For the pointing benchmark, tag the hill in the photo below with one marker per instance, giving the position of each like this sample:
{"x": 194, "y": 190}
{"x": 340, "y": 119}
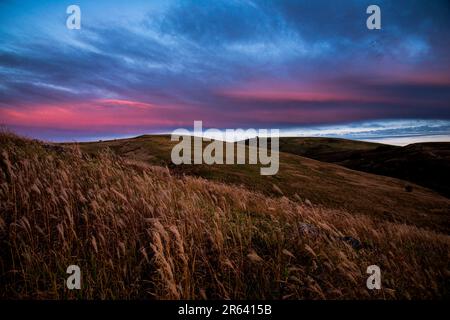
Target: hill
{"x": 139, "y": 232}
{"x": 305, "y": 180}
{"x": 426, "y": 164}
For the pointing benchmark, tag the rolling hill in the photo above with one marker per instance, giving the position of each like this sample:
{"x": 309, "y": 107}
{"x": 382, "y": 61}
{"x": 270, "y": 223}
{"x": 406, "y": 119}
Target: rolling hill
{"x": 141, "y": 231}
{"x": 305, "y": 180}
{"x": 426, "y": 164}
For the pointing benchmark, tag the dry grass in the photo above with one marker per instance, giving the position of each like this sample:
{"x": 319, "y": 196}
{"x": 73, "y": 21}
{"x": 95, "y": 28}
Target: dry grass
{"x": 136, "y": 231}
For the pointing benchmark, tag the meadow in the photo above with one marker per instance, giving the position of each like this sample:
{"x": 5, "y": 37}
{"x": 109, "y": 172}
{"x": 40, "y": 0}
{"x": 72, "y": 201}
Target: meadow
{"x": 139, "y": 231}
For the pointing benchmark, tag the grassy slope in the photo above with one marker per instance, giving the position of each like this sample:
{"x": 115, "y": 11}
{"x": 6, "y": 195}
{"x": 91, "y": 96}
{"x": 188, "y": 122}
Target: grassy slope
{"x": 301, "y": 178}
{"x": 138, "y": 231}
{"x": 326, "y": 149}
{"x": 426, "y": 164}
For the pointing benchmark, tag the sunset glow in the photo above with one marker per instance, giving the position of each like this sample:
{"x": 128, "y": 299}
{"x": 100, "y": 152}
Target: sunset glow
{"x": 158, "y": 65}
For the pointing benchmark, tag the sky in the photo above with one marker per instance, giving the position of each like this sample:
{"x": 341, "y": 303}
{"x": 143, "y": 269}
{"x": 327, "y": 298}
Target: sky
{"x": 304, "y": 67}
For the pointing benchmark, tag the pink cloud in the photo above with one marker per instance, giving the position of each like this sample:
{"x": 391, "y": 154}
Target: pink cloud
{"x": 125, "y": 103}
{"x": 340, "y": 90}
{"x": 88, "y": 115}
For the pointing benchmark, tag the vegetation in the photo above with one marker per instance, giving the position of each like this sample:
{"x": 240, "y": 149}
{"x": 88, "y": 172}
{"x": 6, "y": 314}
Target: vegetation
{"x": 426, "y": 164}
{"x": 300, "y": 178}
{"x": 138, "y": 231}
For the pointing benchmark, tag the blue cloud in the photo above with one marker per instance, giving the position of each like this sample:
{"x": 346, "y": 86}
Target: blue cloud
{"x": 185, "y": 52}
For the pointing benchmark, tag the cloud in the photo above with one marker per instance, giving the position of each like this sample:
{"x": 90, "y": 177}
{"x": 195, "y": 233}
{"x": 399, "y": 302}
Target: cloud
{"x": 399, "y": 132}
{"x": 228, "y": 62}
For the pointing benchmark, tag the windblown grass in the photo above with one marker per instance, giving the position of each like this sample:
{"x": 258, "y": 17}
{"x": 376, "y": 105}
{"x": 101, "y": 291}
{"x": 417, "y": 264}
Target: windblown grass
{"x": 138, "y": 232}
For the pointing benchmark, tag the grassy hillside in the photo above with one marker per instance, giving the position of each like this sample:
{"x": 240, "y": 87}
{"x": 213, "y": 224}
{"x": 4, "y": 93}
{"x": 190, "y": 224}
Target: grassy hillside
{"x": 305, "y": 180}
{"x": 138, "y": 231}
{"x": 426, "y": 164}
{"x": 327, "y": 149}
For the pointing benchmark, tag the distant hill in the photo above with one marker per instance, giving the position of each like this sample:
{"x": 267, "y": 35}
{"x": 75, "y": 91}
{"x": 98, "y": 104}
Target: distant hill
{"x": 426, "y": 164}
{"x": 306, "y": 180}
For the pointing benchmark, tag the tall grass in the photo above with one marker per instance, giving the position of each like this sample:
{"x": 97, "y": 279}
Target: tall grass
{"x": 137, "y": 232}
